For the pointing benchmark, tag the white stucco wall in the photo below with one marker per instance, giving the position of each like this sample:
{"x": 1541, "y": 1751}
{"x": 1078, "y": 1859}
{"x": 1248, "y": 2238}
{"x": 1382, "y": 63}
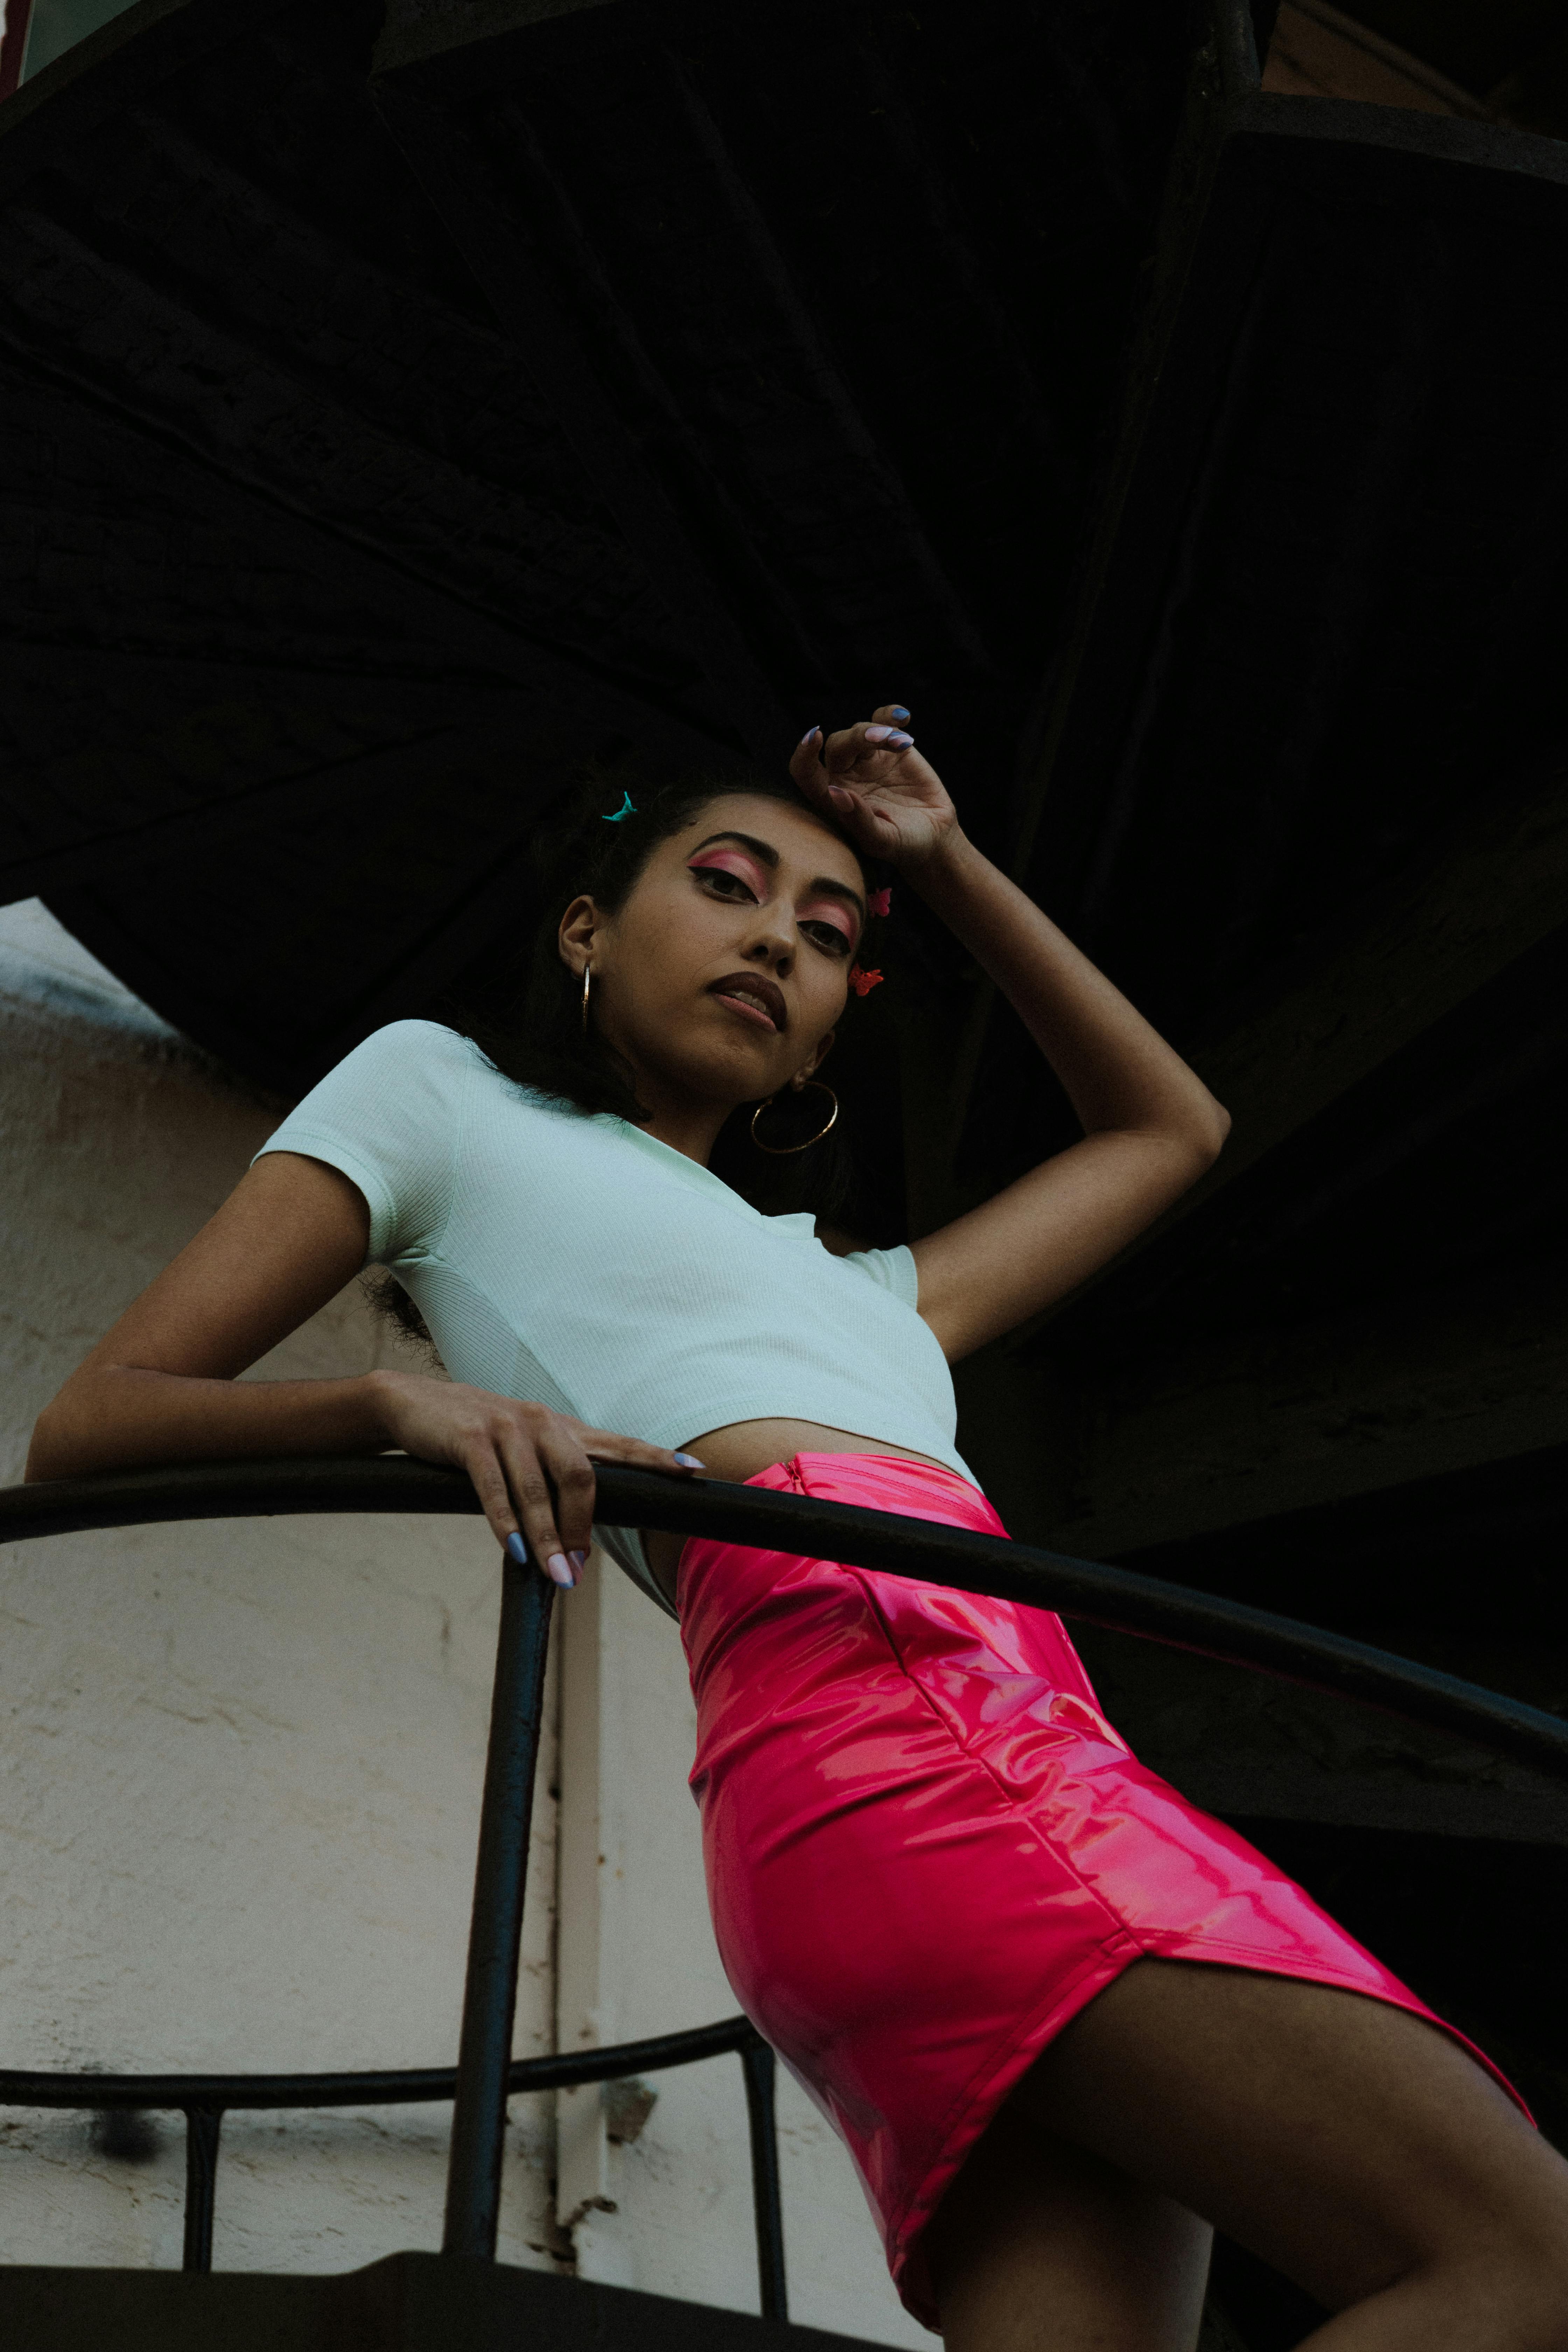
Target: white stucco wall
{"x": 240, "y": 1762}
{"x": 239, "y": 1771}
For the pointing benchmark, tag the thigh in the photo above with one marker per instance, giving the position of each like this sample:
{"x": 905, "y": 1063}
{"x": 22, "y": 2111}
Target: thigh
{"x": 1344, "y": 2140}
{"x": 1039, "y": 2246}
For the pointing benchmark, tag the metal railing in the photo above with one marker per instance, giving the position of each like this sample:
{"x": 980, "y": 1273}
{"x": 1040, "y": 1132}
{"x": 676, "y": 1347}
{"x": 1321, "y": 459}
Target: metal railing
{"x": 486, "y": 2074}
{"x": 205, "y": 2099}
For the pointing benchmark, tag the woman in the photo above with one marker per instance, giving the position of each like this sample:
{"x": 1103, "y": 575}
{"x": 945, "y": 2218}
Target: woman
{"x": 1065, "y": 2022}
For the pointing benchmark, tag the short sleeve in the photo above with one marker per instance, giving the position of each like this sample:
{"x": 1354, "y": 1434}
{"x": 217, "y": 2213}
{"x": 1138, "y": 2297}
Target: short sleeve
{"x": 893, "y": 1270}
{"x": 387, "y": 1117}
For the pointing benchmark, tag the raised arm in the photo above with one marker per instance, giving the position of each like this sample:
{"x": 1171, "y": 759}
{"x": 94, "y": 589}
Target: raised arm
{"x": 1151, "y": 1126}
{"x": 162, "y": 1386}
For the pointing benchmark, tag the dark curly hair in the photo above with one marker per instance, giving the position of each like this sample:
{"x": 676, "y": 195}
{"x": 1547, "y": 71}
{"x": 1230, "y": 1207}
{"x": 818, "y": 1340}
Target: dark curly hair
{"x": 529, "y": 1022}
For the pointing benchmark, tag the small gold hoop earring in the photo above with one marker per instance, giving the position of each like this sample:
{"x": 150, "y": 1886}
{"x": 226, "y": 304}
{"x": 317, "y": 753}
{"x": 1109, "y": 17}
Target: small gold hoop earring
{"x": 783, "y": 1151}
{"x": 587, "y": 976}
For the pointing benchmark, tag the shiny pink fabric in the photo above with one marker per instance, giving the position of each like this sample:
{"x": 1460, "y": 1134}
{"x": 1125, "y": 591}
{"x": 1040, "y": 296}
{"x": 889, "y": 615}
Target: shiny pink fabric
{"x": 927, "y": 1849}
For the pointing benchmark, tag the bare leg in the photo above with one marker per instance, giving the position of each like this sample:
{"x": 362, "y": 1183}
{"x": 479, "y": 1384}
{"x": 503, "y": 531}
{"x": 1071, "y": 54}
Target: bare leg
{"x": 1359, "y": 2151}
{"x": 1042, "y": 2244}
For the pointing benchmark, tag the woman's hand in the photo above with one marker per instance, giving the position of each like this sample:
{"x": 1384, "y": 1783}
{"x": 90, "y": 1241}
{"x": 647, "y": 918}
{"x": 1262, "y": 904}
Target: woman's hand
{"x": 531, "y": 1469}
{"x": 890, "y": 801}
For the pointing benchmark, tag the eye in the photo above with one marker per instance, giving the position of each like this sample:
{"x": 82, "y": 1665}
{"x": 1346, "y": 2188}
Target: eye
{"x": 718, "y": 875}
{"x": 828, "y": 924}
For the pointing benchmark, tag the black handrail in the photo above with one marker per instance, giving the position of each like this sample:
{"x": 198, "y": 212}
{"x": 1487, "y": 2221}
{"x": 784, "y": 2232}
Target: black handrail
{"x": 495, "y": 1934}
{"x": 793, "y": 1525}
{"x": 384, "y": 2086}
{"x": 1115, "y": 1598}
{"x": 205, "y": 2099}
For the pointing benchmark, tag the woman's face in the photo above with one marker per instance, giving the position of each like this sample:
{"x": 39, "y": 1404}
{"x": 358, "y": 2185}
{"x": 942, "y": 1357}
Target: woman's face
{"x": 723, "y": 975}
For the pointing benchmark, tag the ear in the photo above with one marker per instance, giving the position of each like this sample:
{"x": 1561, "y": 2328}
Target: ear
{"x": 575, "y": 939}
{"x": 823, "y": 1048}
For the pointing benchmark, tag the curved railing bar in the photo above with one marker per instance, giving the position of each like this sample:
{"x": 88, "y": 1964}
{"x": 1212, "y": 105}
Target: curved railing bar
{"x": 205, "y": 2099}
{"x": 1117, "y": 1598}
{"x": 383, "y": 2087}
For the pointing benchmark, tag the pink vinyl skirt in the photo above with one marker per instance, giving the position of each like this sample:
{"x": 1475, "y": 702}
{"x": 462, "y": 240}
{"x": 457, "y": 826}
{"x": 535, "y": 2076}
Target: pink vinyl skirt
{"x": 927, "y": 1849}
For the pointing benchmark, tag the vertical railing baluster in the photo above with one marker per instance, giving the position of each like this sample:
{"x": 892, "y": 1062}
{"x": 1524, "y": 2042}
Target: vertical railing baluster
{"x": 202, "y": 2128}
{"x": 758, "y": 2064}
{"x": 495, "y": 1936}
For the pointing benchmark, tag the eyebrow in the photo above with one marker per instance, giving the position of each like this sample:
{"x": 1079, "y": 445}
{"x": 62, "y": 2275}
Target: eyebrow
{"x": 770, "y": 858}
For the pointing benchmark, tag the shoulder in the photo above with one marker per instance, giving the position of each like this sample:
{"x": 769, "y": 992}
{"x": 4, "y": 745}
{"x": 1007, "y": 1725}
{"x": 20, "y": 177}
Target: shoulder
{"x": 408, "y": 1062}
{"x": 388, "y": 1117}
{"x": 429, "y": 1071}
{"x": 417, "y": 1045}
{"x": 409, "y": 1077}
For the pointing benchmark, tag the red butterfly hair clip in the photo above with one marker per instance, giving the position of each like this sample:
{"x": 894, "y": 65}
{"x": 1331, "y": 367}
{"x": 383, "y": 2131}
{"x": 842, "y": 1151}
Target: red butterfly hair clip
{"x": 880, "y": 902}
{"x": 863, "y": 982}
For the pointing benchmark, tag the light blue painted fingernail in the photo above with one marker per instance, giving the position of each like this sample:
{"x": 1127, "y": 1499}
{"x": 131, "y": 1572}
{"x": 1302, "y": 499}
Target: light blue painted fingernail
{"x": 690, "y": 1462}
{"x": 517, "y": 1550}
{"x": 897, "y": 710}
{"x": 807, "y": 736}
{"x": 558, "y": 1569}
{"x": 878, "y": 734}
{"x": 899, "y": 743}
{"x": 579, "y": 1560}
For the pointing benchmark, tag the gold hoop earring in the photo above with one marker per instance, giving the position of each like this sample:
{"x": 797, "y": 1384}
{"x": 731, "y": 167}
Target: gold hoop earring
{"x": 587, "y": 976}
{"x": 783, "y": 1151}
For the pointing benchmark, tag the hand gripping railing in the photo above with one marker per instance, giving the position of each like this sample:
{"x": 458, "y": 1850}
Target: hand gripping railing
{"x": 486, "y": 2074}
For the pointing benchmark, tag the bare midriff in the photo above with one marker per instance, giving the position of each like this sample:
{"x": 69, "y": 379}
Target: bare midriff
{"x": 739, "y": 1451}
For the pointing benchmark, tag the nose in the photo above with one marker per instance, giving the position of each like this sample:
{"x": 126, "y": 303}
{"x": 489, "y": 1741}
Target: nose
{"x": 773, "y": 943}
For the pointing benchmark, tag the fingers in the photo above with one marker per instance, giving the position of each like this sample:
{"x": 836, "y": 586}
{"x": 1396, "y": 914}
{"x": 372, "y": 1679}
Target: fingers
{"x": 818, "y": 757}
{"x": 606, "y": 1446}
{"x": 487, "y": 1475}
{"x": 569, "y": 1476}
{"x": 872, "y": 746}
{"x": 805, "y": 765}
{"x": 550, "y": 1481}
{"x": 833, "y": 772}
{"x": 533, "y": 1474}
{"x": 515, "y": 1456}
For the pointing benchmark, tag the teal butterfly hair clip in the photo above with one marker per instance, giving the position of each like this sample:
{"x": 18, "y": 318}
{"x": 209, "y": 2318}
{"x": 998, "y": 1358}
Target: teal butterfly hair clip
{"x": 627, "y": 808}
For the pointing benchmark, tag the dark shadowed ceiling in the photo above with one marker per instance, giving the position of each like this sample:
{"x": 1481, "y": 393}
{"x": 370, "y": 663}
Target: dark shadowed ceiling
{"x": 650, "y": 380}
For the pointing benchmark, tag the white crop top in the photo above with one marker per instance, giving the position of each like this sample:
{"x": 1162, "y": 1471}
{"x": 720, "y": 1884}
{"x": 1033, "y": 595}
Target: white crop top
{"x": 569, "y": 1259}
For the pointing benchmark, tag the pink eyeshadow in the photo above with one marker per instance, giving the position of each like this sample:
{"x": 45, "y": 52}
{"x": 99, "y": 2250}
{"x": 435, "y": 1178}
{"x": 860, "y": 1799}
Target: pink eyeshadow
{"x": 834, "y": 911}
{"x": 732, "y": 861}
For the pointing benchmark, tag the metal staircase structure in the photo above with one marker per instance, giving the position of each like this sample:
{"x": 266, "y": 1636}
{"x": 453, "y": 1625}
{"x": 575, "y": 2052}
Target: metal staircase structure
{"x": 460, "y": 2297}
{"x": 398, "y": 403}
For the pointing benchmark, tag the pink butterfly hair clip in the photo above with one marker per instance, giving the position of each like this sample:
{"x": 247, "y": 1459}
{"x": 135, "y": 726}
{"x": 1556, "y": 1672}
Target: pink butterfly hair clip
{"x": 880, "y": 902}
{"x": 863, "y": 982}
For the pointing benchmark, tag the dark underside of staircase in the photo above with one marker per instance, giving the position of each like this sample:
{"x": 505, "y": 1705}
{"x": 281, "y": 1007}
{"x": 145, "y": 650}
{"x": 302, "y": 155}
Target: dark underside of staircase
{"x": 410, "y": 2303}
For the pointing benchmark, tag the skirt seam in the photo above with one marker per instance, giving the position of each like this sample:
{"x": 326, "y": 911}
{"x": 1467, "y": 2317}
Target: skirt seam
{"x": 1018, "y": 1812}
{"x": 1121, "y": 1933}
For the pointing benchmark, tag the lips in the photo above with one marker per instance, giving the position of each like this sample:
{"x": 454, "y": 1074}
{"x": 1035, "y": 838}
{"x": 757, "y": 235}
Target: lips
{"x": 752, "y": 997}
